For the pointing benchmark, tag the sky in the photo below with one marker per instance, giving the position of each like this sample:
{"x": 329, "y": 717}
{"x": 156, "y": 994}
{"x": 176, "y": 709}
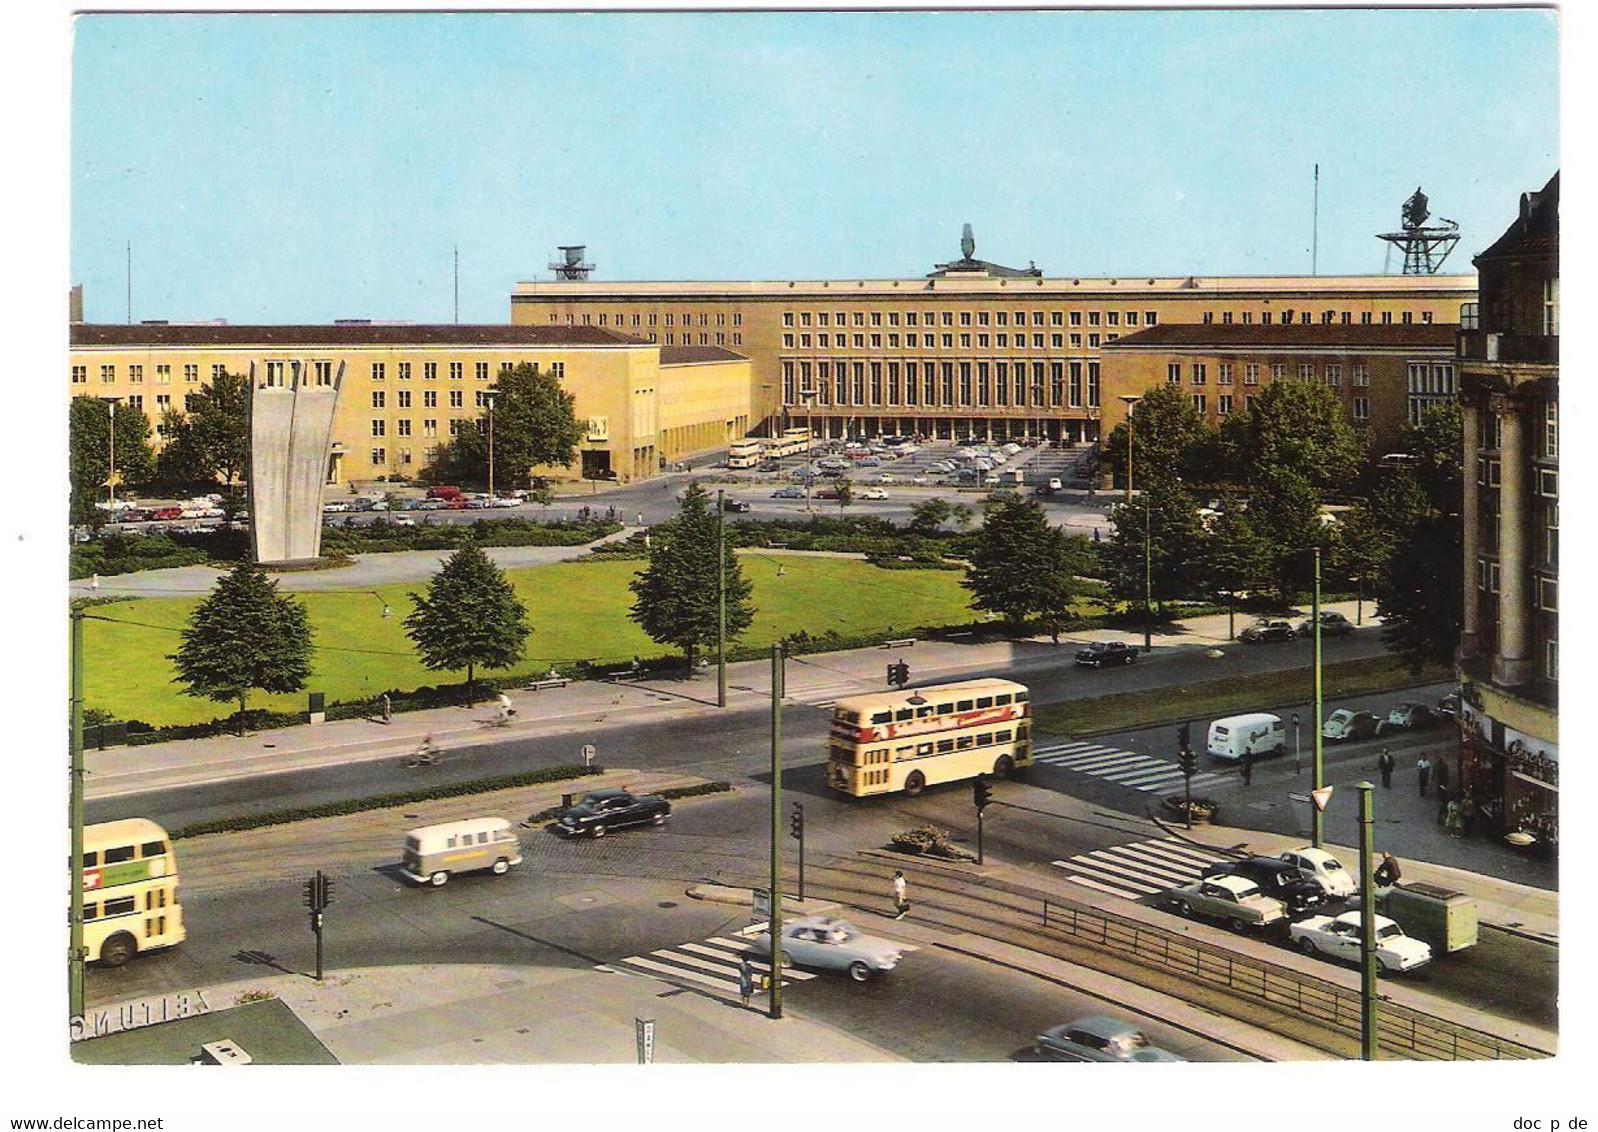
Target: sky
{"x": 303, "y": 167}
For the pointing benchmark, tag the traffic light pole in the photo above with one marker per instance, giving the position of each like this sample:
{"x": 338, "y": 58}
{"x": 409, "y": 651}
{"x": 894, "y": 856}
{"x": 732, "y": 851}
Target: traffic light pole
{"x": 75, "y": 958}
{"x": 721, "y": 598}
{"x": 1319, "y": 770}
{"x": 1367, "y": 926}
{"x": 775, "y": 920}
{"x": 799, "y": 835}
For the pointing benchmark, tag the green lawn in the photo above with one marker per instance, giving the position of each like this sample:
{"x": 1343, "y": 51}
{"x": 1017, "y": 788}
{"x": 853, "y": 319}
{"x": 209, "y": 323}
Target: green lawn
{"x": 578, "y": 611}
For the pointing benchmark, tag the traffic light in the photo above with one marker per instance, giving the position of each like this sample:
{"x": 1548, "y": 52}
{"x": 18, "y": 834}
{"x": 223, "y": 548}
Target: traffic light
{"x": 1188, "y": 761}
{"x": 318, "y": 891}
{"x": 899, "y": 674}
{"x": 981, "y": 791}
{"x": 796, "y": 823}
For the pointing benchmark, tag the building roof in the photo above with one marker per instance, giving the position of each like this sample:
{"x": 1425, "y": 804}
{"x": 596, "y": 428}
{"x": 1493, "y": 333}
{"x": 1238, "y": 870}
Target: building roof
{"x": 1233, "y": 336}
{"x": 1535, "y": 231}
{"x": 344, "y": 334}
{"x": 697, "y": 355}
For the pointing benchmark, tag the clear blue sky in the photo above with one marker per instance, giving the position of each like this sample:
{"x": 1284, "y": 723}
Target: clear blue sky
{"x": 302, "y": 167}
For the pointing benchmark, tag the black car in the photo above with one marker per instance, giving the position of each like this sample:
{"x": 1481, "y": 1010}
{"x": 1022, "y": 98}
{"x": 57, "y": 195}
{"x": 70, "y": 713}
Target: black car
{"x": 1333, "y": 624}
{"x": 731, "y": 504}
{"x": 1100, "y": 653}
{"x": 601, "y": 811}
{"x": 1267, "y": 631}
{"x": 1277, "y": 878}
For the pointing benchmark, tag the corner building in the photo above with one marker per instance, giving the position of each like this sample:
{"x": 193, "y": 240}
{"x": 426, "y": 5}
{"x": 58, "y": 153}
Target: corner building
{"x": 1509, "y": 638}
{"x": 973, "y": 350}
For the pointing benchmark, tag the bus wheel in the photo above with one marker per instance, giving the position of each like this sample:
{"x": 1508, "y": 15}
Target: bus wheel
{"x": 439, "y": 879}
{"x": 118, "y": 950}
{"x": 915, "y": 783}
{"x": 501, "y": 867}
{"x": 1003, "y": 767}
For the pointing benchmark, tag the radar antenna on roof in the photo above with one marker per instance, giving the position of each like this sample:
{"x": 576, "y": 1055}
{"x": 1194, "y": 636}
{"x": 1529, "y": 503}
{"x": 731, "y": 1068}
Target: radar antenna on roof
{"x": 968, "y": 242}
{"x": 1424, "y": 248}
{"x": 571, "y": 265}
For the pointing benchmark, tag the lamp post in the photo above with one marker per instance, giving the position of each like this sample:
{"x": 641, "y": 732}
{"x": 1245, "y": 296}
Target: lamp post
{"x": 774, "y": 922}
{"x": 111, "y": 457}
{"x": 721, "y": 598}
{"x": 1131, "y": 400}
{"x": 490, "y": 395}
{"x": 808, "y": 396}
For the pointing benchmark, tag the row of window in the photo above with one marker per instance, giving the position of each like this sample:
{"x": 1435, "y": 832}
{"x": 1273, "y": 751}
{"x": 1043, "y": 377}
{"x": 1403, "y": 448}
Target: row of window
{"x": 1331, "y": 373}
{"x": 624, "y": 319}
{"x": 1489, "y": 574}
{"x": 126, "y": 906}
{"x": 704, "y": 339}
{"x": 403, "y": 370}
{"x": 965, "y": 318}
{"x": 1360, "y": 408}
{"x": 877, "y": 755}
{"x": 1017, "y": 384}
{"x": 403, "y": 399}
{"x": 402, "y": 427}
{"x": 944, "y": 341}
{"x": 321, "y": 371}
{"x": 117, "y": 854}
{"x": 1307, "y": 318}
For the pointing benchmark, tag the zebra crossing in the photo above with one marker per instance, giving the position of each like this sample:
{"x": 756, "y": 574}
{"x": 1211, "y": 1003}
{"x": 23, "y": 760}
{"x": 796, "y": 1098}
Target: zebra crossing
{"x": 1141, "y": 868}
{"x": 711, "y": 963}
{"x": 1124, "y": 768}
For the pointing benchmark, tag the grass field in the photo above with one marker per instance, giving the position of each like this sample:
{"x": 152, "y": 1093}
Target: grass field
{"x": 577, "y": 610}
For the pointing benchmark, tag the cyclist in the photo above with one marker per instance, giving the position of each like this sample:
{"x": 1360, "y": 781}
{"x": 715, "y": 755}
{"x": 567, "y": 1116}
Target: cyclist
{"x": 503, "y": 710}
{"x": 426, "y": 753}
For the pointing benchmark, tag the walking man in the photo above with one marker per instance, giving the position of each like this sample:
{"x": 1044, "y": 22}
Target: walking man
{"x": 1385, "y": 765}
{"x": 1423, "y": 771}
{"x": 1248, "y": 768}
{"x": 746, "y": 979}
{"x": 900, "y": 904}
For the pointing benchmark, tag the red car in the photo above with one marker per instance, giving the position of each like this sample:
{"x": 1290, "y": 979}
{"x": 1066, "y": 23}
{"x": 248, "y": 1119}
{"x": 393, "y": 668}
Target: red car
{"x": 166, "y": 513}
{"x": 444, "y": 491}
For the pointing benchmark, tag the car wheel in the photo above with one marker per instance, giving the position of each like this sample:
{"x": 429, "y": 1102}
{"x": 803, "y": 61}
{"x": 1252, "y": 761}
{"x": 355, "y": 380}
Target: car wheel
{"x": 118, "y": 950}
{"x": 1184, "y": 909}
{"x": 859, "y": 972}
{"x": 658, "y": 819}
{"x": 1003, "y": 766}
{"x": 597, "y": 830}
{"x": 1306, "y": 945}
{"x": 1130, "y": 658}
{"x": 501, "y": 867}
{"x": 1236, "y": 925}
{"x": 438, "y": 879}
{"x": 915, "y": 783}
{"x": 787, "y": 961}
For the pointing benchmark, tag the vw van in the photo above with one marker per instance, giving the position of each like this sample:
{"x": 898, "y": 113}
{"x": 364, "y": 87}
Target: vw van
{"x": 1255, "y": 735}
{"x": 435, "y": 853}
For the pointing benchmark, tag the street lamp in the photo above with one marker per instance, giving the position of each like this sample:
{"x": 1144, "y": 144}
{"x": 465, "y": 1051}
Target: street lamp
{"x": 111, "y": 457}
{"x": 1131, "y": 400}
{"x": 808, "y": 396}
{"x": 489, "y": 395}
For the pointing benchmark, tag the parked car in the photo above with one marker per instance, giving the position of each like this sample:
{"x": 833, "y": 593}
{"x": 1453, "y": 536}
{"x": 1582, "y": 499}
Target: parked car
{"x": 1100, "y": 653}
{"x": 920, "y": 481}
{"x": 1099, "y": 1038}
{"x": 443, "y": 491}
{"x": 1344, "y": 725}
{"x": 831, "y": 945}
{"x": 826, "y": 493}
{"x": 600, "y": 811}
{"x": 1237, "y": 901}
{"x": 1055, "y": 484}
{"x": 1277, "y": 878}
{"x": 767, "y": 466}
{"x": 1448, "y": 705}
{"x": 336, "y": 507}
{"x": 1323, "y": 868}
{"x": 788, "y": 493}
{"x": 887, "y": 477}
{"x": 431, "y": 505}
{"x": 1409, "y": 717}
{"x": 1266, "y": 630}
{"x": 1333, "y": 624}
{"x": 873, "y": 493}
{"x": 739, "y": 505}
{"x": 1339, "y": 938}
{"x": 504, "y": 501}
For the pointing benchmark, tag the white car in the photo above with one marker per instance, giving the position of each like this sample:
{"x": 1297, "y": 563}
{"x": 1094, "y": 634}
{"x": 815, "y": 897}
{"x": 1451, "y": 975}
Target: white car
{"x": 873, "y": 493}
{"x": 1321, "y": 866}
{"x": 1055, "y": 484}
{"x": 887, "y": 477}
{"x": 1338, "y": 938}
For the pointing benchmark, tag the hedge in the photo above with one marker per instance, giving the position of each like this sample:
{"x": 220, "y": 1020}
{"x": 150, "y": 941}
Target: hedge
{"x": 383, "y": 801}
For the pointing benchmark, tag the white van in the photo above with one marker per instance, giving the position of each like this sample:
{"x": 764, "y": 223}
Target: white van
{"x": 434, "y": 853}
{"x": 1257, "y": 735}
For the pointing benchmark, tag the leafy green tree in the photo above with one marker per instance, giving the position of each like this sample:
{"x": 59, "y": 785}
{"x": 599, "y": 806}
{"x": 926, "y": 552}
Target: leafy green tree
{"x": 469, "y": 618}
{"x": 535, "y": 423}
{"x": 1299, "y": 427}
{"x": 962, "y": 515}
{"x": 930, "y": 514}
{"x": 244, "y": 636}
{"x": 89, "y": 455}
{"x": 1169, "y": 437}
{"x": 1163, "y": 516}
{"x": 219, "y": 419}
{"x": 1285, "y": 511}
{"x": 1021, "y": 567}
{"x": 180, "y": 463}
{"x": 1235, "y": 559}
{"x": 674, "y": 596}
{"x": 845, "y": 493}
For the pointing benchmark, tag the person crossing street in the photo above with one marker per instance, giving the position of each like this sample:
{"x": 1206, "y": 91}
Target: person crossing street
{"x": 1385, "y": 765}
{"x": 900, "y": 903}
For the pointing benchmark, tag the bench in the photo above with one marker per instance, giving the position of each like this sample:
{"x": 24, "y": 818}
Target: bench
{"x": 903, "y": 643}
{"x": 548, "y": 682}
{"x": 626, "y": 674}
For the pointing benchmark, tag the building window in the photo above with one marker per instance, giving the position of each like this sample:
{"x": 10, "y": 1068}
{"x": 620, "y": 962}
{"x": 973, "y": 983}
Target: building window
{"x": 1548, "y": 594}
{"x": 379, "y": 457}
{"x": 457, "y": 399}
{"x": 456, "y": 371}
{"x": 1306, "y": 371}
{"x": 405, "y": 371}
{"x": 378, "y": 398}
{"x": 787, "y": 344}
{"x": 429, "y": 426}
{"x": 163, "y": 374}
{"x": 1223, "y": 404}
{"x": 80, "y": 375}
{"x": 1551, "y": 430}
{"x": 1251, "y": 373}
{"x": 1076, "y": 318}
{"x": 323, "y": 372}
{"x": 1387, "y": 318}
{"x": 1093, "y": 340}
{"x": 1198, "y": 403}
{"x": 1199, "y": 373}
{"x": 378, "y": 371}
{"x": 135, "y": 373}
{"x": 787, "y": 318}
{"x": 429, "y": 371}
{"x": 1226, "y": 318}
{"x": 1551, "y": 659}
{"x": 1334, "y": 374}
{"x": 1407, "y": 318}
{"x": 1360, "y": 374}
{"x": 1093, "y": 385}
{"x": 429, "y": 398}
{"x": 1223, "y": 373}
{"x": 404, "y": 426}
{"x": 1076, "y": 342}
{"x": 379, "y": 426}
{"x": 405, "y": 398}
{"x": 136, "y": 400}
{"x": 218, "y": 371}
{"x": 191, "y": 372}
{"x": 1173, "y": 373}
{"x": 481, "y": 371}
{"x": 1551, "y": 306}
{"x": 1278, "y": 371}
{"x": 1362, "y": 408}
{"x": 455, "y": 426}
{"x": 1131, "y": 318}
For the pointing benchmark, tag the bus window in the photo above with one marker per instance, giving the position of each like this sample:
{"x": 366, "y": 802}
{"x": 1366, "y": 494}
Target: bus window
{"x": 1001, "y": 701}
{"x": 1020, "y": 697}
{"x": 91, "y": 912}
{"x": 945, "y": 746}
{"x": 120, "y": 906}
{"x": 152, "y": 849}
{"x": 904, "y": 752}
{"x": 985, "y": 739}
{"x": 91, "y": 859}
{"x": 903, "y": 714}
{"x": 849, "y": 716}
{"x": 984, "y": 701}
{"x": 1002, "y": 736}
{"x": 921, "y": 712}
{"x": 924, "y": 749}
{"x": 963, "y": 742}
{"x": 118, "y": 854}
{"x": 882, "y": 717}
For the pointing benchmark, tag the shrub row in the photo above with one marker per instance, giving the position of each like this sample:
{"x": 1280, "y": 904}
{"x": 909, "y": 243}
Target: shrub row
{"x": 383, "y": 536}
{"x": 383, "y": 801}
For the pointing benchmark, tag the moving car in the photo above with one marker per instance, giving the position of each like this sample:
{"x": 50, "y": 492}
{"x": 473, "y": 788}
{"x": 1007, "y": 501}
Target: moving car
{"x": 1323, "y": 868}
{"x": 434, "y": 853}
{"x": 1344, "y": 725}
{"x": 1100, "y": 653}
{"x": 1333, "y": 624}
{"x": 1235, "y": 900}
{"x": 1277, "y": 878}
{"x": 739, "y": 505}
{"x": 788, "y": 493}
{"x": 1338, "y": 938}
{"x": 1055, "y": 484}
{"x": 831, "y": 945}
{"x": 827, "y": 493}
{"x": 873, "y": 493}
{"x": 601, "y": 811}
{"x": 1255, "y": 734}
{"x": 1265, "y": 631}
{"x": 1099, "y": 1038}
{"x": 1409, "y": 717}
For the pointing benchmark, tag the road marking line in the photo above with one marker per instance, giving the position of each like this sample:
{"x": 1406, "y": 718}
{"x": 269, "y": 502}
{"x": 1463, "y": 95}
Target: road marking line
{"x": 1121, "y": 856}
{"x": 1164, "y": 874}
{"x": 757, "y": 964}
{"x": 1111, "y": 889}
{"x": 1066, "y": 748}
{"x": 1180, "y": 852}
{"x": 1115, "y": 872}
{"x": 1137, "y": 771}
{"x": 679, "y": 973}
{"x": 1088, "y": 755}
{"x": 1091, "y": 763}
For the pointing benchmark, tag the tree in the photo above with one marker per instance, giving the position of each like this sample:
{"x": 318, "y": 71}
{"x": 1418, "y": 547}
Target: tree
{"x": 535, "y": 424}
{"x": 244, "y": 636}
{"x": 930, "y": 514}
{"x": 1169, "y": 437}
{"x": 1235, "y": 560}
{"x": 845, "y": 493}
{"x": 1022, "y": 568}
{"x": 469, "y": 618}
{"x": 219, "y": 419}
{"x": 180, "y": 462}
{"x": 1165, "y": 517}
{"x": 962, "y": 515}
{"x": 674, "y": 597}
{"x": 89, "y": 458}
{"x": 1295, "y": 426}
{"x": 1285, "y": 512}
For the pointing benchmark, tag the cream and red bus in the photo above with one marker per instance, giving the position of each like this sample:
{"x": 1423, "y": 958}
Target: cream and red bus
{"x": 911, "y": 739}
{"x": 130, "y": 891}
{"x": 745, "y": 453}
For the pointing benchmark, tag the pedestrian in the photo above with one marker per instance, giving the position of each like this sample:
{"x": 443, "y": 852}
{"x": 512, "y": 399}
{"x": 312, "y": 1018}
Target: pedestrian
{"x": 1388, "y": 872}
{"x": 1248, "y": 768}
{"x": 1443, "y": 797}
{"x": 900, "y": 903}
{"x": 1385, "y": 765}
{"x": 1423, "y": 772}
{"x": 1440, "y": 772}
{"x": 640, "y": 518}
{"x": 1455, "y": 819}
{"x": 388, "y": 709}
{"x": 746, "y": 979}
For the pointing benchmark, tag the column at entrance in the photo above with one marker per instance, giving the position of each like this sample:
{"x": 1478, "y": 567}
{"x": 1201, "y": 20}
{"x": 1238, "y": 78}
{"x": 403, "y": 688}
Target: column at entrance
{"x": 1512, "y": 666}
{"x": 1470, "y": 615}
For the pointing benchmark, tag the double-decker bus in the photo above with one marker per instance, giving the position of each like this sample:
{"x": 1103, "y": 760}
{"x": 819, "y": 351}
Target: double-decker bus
{"x": 910, "y": 739}
{"x": 745, "y": 453}
{"x": 130, "y": 891}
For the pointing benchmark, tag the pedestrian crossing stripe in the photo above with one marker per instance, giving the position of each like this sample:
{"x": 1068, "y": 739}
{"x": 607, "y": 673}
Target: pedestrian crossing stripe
{"x": 712, "y": 962}
{"x": 1140, "y": 868}
{"x": 1143, "y": 773}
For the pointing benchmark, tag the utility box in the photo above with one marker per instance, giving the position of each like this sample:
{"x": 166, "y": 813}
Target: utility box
{"x": 224, "y": 1052}
{"x": 1442, "y": 917}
